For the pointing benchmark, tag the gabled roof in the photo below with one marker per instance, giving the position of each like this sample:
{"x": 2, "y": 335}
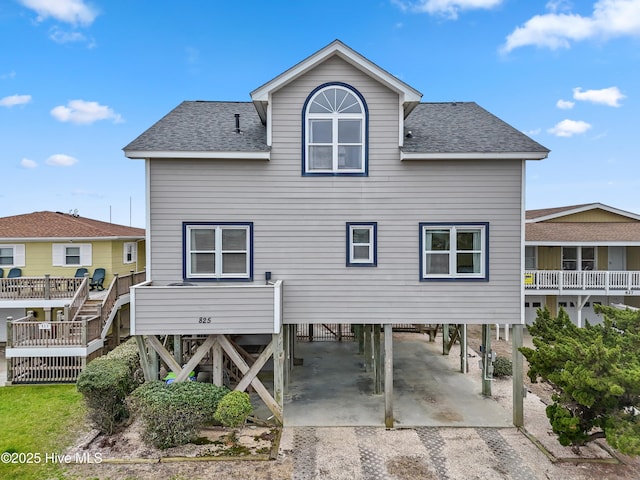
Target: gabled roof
{"x": 558, "y": 212}
{"x": 56, "y": 225}
{"x": 545, "y": 226}
{"x": 204, "y": 130}
{"x": 409, "y": 96}
{"x": 464, "y": 130}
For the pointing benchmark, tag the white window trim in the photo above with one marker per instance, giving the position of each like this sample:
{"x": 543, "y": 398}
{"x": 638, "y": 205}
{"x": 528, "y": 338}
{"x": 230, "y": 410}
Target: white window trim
{"x": 453, "y": 229}
{"x": 371, "y": 261}
{"x": 218, "y": 252}
{"x": 59, "y": 254}
{"x": 18, "y": 254}
{"x": 335, "y": 117}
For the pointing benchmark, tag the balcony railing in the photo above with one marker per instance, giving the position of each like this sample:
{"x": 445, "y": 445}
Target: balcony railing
{"x": 26, "y": 332}
{"x": 44, "y": 288}
{"x": 604, "y": 282}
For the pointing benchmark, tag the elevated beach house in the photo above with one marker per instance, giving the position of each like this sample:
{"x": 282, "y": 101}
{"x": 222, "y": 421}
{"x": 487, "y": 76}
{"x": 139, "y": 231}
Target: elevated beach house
{"x": 64, "y": 279}
{"x": 334, "y": 196}
{"x": 579, "y": 256}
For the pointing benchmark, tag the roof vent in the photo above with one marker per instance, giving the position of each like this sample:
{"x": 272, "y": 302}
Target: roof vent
{"x": 237, "y": 115}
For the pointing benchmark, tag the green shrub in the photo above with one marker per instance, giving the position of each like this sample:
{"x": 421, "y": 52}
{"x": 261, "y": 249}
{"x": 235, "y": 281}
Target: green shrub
{"x": 502, "y": 367}
{"x": 234, "y": 409}
{"x": 105, "y": 383}
{"x": 174, "y": 414}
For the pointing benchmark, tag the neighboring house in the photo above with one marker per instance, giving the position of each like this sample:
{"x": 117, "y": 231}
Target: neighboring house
{"x": 581, "y": 255}
{"x": 48, "y": 248}
{"x": 334, "y": 196}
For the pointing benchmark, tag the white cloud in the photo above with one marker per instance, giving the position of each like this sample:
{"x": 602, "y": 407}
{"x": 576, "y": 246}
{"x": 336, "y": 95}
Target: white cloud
{"x": 610, "y": 18}
{"x": 606, "y": 96}
{"x": 61, "y": 160}
{"x": 27, "y": 163}
{"x": 69, "y": 11}
{"x": 83, "y": 112}
{"x": 13, "y": 100}
{"x": 565, "y": 104}
{"x": 9, "y": 75}
{"x": 448, "y": 8}
{"x": 535, "y": 131}
{"x": 569, "y": 128}
{"x": 60, "y": 36}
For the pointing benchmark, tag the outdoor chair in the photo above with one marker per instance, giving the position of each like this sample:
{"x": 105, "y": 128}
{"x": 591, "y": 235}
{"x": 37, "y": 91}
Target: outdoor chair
{"x": 15, "y": 273}
{"x": 81, "y": 272}
{"x": 98, "y": 279}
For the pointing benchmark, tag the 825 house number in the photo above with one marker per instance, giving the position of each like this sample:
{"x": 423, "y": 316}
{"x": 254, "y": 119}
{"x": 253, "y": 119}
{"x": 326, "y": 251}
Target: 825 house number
{"x": 204, "y": 319}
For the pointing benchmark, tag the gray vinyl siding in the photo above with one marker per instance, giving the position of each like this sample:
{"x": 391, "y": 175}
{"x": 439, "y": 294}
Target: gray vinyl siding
{"x": 299, "y": 221}
{"x": 203, "y": 310}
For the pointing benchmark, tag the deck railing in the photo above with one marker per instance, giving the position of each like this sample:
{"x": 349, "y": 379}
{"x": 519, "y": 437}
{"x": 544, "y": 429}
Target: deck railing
{"x": 601, "y": 281}
{"x": 46, "y": 288}
{"x": 25, "y": 332}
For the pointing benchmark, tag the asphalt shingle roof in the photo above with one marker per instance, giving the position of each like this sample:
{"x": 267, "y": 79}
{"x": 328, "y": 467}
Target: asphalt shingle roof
{"x": 435, "y": 127}
{"x": 205, "y": 127}
{"x": 61, "y": 225}
{"x": 463, "y": 127}
{"x": 582, "y": 232}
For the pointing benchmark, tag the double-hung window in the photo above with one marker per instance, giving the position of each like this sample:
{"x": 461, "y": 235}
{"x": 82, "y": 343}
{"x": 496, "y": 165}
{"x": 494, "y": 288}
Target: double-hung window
{"x": 457, "y": 251}
{"x": 6, "y": 256}
{"x": 72, "y": 254}
{"x": 218, "y": 251}
{"x": 335, "y": 131}
{"x": 361, "y": 244}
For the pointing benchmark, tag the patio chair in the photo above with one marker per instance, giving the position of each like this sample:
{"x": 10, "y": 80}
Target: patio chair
{"x": 81, "y": 272}
{"x": 15, "y": 272}
{"x": 98, "y": 279}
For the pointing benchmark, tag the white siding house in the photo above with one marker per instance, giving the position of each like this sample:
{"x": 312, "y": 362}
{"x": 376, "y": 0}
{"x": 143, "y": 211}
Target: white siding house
{"x": 336, "y": 183}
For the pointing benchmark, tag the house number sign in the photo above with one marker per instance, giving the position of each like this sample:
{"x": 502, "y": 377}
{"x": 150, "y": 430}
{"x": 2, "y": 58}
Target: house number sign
{"x": 204, "y": 319}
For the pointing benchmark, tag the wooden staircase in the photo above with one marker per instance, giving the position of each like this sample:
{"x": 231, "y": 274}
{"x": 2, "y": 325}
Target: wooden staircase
{"x": 90, "y": 308}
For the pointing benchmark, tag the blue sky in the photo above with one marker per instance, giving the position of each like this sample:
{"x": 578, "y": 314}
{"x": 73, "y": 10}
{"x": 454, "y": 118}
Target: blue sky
{"x": 80, "y": 79}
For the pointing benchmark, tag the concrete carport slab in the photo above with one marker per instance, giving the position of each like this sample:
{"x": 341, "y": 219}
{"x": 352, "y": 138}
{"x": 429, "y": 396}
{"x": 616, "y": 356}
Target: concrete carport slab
{"x": 331, "y": 388}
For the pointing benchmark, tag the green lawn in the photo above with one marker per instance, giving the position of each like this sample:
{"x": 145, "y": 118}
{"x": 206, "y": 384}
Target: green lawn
{"x": 37, "y": 421}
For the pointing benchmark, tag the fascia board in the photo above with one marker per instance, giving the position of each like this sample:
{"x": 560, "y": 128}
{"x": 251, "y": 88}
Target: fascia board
{"x": 584, "y": 208}
{"x": 474, "y": 156}
{"x": 235, "y": 155}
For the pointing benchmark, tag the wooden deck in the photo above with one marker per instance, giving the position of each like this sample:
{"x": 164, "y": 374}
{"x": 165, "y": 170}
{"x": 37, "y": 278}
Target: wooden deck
{"x": 57, "y": 350}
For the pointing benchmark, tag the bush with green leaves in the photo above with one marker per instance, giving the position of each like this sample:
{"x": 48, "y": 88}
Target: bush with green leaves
{"x": 502, "y": 367}
{"x": 234, "y": 409}
{"x": 105, "y": 383}
{"x": 595, "y": 371}
{"x": 174, "y": 414}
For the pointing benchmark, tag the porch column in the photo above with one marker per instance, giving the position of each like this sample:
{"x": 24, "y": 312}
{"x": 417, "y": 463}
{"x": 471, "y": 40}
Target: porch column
{"x": 47, "y": 314}
{"x": 518, "y": 383}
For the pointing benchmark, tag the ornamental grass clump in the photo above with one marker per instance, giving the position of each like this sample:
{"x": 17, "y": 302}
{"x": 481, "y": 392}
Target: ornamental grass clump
{"x": 174, "y": 414}
{"x": 234, "y": 409}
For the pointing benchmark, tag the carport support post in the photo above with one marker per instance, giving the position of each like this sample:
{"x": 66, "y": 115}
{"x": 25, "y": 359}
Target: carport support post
{"x": 388, "y": 375}
{"x": 367, "y": 348}
{"x": 518, "y": 383}
{"x": 218, "y": 364}
{"x": 464, "y": 367}
{"x": 377, "y": 361}
{"x": 278, "y": 367}
{"x": 486, "y": 359}
{"x": 445, "y": 339}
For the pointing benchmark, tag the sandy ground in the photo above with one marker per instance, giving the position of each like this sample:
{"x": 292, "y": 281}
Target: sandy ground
{"x": 372, "y": 453}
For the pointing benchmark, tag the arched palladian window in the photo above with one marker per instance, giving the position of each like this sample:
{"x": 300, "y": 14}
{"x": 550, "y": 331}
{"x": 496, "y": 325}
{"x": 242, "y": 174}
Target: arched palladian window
{"x": 335, "y": 119}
